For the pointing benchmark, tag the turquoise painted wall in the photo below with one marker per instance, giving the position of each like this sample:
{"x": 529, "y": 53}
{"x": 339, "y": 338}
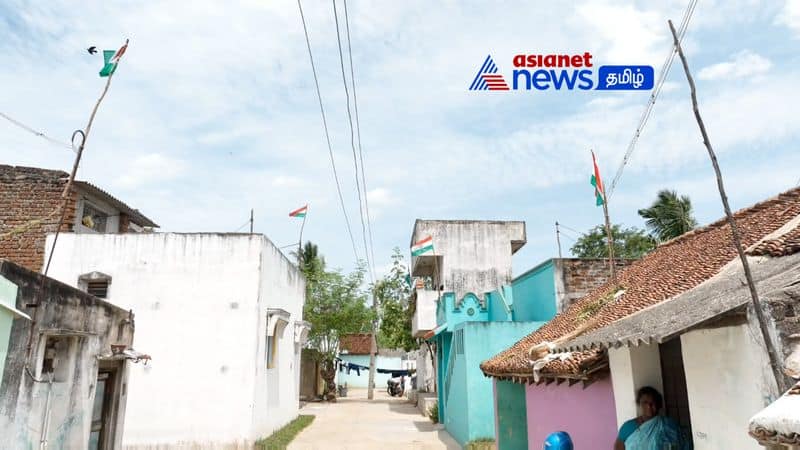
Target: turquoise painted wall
{"x": 8, "y": 297}
{"x": 535, "y": 293}
{"x": 512, "y": 418}
{"x": 470, "y": 392}
{"x": 361, "y": 381}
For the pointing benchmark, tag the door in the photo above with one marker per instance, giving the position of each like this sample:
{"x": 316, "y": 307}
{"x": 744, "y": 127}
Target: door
{"x": 101, "y": 411}
{"x": 676, "y": 398}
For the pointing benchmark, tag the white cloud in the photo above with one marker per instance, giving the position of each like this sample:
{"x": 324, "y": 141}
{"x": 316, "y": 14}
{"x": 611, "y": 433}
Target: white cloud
{"x": 151, "y": 169}
{"x": 287, "y": 181}
{"x": 741, "y": 65}
{"x": 790, "y": 17}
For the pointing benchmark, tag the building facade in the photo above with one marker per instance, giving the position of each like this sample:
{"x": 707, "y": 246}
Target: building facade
{"x": 221, "y": 315}
{"x": 64, "y": 376}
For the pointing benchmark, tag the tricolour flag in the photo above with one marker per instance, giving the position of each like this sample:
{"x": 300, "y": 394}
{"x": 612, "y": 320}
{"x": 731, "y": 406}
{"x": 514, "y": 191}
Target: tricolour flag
{"x": 299, "y": 212}
{"x": 111, "y": 60}
{"x": 423, "y": 246}
{"x": 599, "y": 192}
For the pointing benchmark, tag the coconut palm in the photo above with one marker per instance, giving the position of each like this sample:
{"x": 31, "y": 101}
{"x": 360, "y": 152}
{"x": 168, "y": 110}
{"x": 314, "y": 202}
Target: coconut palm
{"x": 669, "y": 216}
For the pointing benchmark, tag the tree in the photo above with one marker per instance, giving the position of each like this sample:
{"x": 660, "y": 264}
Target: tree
{"x": 669, "y": 216}
{"x": 392, "y": 294}
{"x": 310, "y": 262}
{"x": 628, "y": 243}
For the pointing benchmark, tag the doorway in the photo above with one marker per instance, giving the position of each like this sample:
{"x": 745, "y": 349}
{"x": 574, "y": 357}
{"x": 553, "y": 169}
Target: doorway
{"x": 673, "y": 377}
{"x": 101, "y": 436}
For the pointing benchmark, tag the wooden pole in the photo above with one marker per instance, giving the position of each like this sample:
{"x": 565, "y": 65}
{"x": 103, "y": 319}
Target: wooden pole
{"x": 611, "y": 267}
{"x": 251, "y": 220}
{"x": 558, "y": 240}
{"x": 737, "y": 241}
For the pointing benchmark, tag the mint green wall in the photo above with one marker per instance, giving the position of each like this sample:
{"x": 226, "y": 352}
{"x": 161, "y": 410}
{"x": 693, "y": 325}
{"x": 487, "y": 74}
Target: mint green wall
{"x": 512, "y": 418}
{"x": 469, "y": 391}
{"x": 8, "y": 296}
{"x": 535, "y": 293}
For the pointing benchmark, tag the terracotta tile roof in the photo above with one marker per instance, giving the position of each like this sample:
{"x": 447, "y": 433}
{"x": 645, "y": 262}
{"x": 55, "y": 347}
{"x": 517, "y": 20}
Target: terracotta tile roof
{"x": 672, "y": 268}
{"x": 355, "y": 344}
{"x": 786, "y": 244}
{"x": 779, "y": 422}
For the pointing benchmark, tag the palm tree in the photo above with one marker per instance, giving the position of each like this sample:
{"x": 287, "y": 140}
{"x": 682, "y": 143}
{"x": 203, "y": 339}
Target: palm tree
{"x": 669, "y": 216}
{"x": 309, "y": 260}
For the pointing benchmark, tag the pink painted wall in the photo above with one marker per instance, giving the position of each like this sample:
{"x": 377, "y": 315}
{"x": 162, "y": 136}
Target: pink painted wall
{"x": 588, "y": 415}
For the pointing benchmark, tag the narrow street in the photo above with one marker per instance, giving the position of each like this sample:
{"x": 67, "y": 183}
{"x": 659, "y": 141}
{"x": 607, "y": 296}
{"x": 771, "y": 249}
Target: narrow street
{"x": 354, "y": 422}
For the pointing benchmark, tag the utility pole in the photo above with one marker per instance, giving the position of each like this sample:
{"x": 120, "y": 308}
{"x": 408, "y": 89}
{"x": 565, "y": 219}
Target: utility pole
{"x": 558, "y": 240}
{"x": 610, "y": 241}
{"x": 737, "y": 241}
{"x": 373, "y": 347}
{"x": 251, "y": 220}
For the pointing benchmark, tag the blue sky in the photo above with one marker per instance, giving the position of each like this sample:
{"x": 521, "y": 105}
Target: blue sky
{"x": 213, "y": 111}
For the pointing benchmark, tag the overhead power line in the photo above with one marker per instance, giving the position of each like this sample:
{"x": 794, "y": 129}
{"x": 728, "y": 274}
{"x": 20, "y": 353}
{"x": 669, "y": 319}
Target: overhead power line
{"x": 327, "y": 134}
{"x": 662, "y": 76}
{"x": 358, "y": 133}
{"x": 353, "y": 146}
{"x": 37, "y": 133}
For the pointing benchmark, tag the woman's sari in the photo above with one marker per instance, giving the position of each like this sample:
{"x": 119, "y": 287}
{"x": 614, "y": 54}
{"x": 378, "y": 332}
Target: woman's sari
{"x": 658, "y": 433}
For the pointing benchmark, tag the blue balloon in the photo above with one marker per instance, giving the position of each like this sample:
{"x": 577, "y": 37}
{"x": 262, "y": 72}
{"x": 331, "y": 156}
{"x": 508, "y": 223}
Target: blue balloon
{"x": 559, "y": 440}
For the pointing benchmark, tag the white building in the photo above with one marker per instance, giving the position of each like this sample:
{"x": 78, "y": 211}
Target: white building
{"x": 221, "y": 316}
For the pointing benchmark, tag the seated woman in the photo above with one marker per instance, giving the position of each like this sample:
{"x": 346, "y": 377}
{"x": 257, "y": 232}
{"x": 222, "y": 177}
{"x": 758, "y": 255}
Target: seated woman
{"x": 650, "y": 431}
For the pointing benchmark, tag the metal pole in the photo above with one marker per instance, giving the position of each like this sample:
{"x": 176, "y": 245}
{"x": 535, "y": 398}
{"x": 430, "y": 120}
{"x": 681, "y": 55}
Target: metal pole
{"x": 300, "y": 241}
{"x": 251, "y": 221}
{"x": 737, "y": 241}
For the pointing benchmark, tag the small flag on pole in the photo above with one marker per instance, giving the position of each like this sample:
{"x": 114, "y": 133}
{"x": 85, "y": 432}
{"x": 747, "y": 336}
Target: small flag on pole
{"x": 300, "y": 212}
{"x": 423, "y": 246}
{"x": 111, "y": 60}
{"x": 599, "y": 192}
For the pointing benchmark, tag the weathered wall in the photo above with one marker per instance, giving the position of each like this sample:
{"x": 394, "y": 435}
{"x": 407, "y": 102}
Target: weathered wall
{"x": 26, "y": 194}
{"x": 201, "y": 302}
{"x": 94, "y": 325}
{"x": 476, "y": 255}
{"x": 511, "y": 417}
{"x": 8, "y": 297}
{"x": 725, "y": 383}
{"x": 587, "y": 414}
{"x": 631, "y": 369}
{"x": 576, "y": 277}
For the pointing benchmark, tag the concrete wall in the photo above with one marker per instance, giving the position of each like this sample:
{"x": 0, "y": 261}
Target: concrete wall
{"x": 511, "y": 418}
{"x": 361, "y": 381}
{"x": 201, "y": 302}
{"x": 725, "y": 385}
{"x": 535, "y": 293}
{"x": 8, "y": 297}
{"x": 633, "y": 368}
{"x": 587, "y": 414}
{"x": 476, "y": 255}
{"x": 424, "y": 318}
{"x": 88, "y": 326}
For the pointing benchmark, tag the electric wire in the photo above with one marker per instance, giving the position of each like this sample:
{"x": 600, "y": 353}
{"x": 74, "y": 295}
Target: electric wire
{"x": 36, "y": 133}
{"x": 353, "y": 146}
{"x": 662, "y": 76}
{"x": 358, "y": 134}
{"x": 327, "y": 134}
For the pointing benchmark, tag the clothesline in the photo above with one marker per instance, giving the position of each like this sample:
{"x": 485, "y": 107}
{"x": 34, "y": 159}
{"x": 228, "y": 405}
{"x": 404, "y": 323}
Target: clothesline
{"x": 348, "y": 366}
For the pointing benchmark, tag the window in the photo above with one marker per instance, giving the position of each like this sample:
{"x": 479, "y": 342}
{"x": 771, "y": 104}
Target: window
{"x": 98, "y": 288}
{"x": 271, "y": 351}
{"x": 93, "y": 218}
{"x": 57, "y": 358}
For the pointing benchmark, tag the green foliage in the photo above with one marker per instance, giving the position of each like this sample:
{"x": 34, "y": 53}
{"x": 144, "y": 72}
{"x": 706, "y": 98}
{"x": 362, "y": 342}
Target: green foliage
{"x": 480, "y": 444}
{"x": 392, "y": 294}
{"x": 628, "y": 243}
{"x": 335, "y": 304}
{"x": 669, "y": 216}
{"x": 283, "y": 437}
{"x": 433, "y": 412}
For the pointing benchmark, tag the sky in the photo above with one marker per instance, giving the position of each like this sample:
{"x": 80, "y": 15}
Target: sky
{"x": 213, "y": 111}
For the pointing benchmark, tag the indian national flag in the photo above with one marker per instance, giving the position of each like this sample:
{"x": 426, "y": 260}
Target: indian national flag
{"x": 111, "y": 59}
{"x": 423, "y": 246}
{"x": 599, "y": 192}
{"x": 300, "y": 212}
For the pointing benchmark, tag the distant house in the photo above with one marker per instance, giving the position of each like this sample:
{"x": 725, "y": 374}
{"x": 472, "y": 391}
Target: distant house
{"x": 355, "y": 349}
{"x": 65, "y": 357}
{"x": 32, "y": 194}
{"x": 222, "y": 316}
{"x": 676, "y": 320}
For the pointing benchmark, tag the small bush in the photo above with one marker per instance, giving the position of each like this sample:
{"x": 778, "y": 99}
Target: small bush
{"x": 280, "y": 439}
{"x": 433, "y": 412}
{"x": 480, "y": 444}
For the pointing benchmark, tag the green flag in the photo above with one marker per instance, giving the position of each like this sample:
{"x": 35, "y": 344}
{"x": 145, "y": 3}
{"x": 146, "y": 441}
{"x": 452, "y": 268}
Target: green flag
{"x": 111, "y": 60}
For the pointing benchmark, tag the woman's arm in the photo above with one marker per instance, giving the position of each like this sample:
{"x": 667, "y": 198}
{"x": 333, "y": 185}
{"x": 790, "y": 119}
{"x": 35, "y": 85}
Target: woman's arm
{"x": 619, "y": 445}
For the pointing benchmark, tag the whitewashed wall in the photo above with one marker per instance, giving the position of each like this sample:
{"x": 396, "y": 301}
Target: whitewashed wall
{"x": 631, "y": 369}
{"x": 725, "y": 383}
{"x": 200, "y": 302}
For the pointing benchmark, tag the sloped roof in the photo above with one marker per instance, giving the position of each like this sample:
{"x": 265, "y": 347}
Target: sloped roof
{"x": 671, "y": 269}
{"x": 779, "y": 423}
{"x": 355, "y": 344}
